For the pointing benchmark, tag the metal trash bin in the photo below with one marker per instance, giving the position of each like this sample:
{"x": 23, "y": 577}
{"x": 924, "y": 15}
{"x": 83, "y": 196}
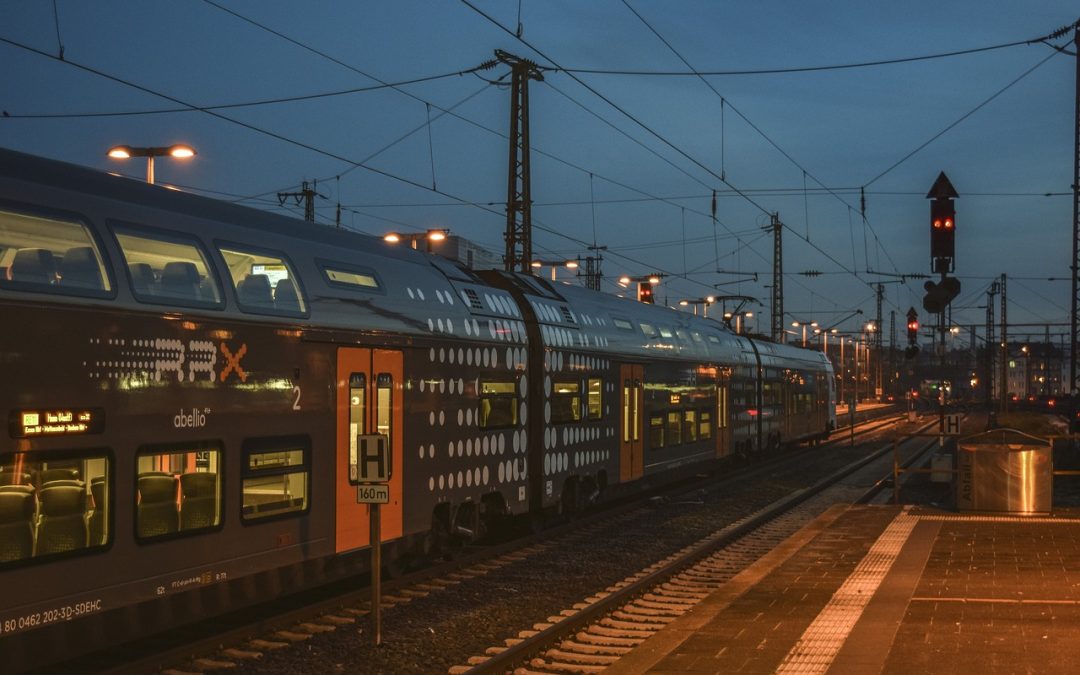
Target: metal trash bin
{"x": 1004, "y": 471}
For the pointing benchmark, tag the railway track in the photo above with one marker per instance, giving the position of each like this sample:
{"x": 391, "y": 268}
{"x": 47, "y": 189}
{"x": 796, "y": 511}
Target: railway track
{"x": 595, "y": 633}
{"x": 344, "y": 608}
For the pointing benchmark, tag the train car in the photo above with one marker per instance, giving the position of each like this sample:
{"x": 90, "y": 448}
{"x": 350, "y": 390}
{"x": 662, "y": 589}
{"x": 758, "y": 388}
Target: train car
{"x": 185, "y": 381}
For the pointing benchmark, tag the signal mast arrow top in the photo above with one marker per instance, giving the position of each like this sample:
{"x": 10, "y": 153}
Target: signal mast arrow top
{"x": 942, "y": 188}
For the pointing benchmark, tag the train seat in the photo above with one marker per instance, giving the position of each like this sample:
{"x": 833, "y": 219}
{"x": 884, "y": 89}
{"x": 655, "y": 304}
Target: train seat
{"x": 79, "y": 269}
{"x": 96, "y": 522}
{"x": 180, "y": 279}
{"x": 16, "y": 525}
{"x": 157, "y": 512}
{"x": 33, "y": 265}
{"x": 142, "y": 278}
{"x": 62, "y": 522}
{"x": 10, "y": 477}
{"x": 254, "y": 291}
{"x": 199, "y": 502}
{"x": 55, "y": 474}
{"x": 286, "y": 297}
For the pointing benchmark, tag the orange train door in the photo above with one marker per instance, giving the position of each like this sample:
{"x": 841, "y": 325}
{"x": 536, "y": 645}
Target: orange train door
{"x": 723, "y": 429}
{"x": 632, "y": 428}
{"x": 369, "y": 392}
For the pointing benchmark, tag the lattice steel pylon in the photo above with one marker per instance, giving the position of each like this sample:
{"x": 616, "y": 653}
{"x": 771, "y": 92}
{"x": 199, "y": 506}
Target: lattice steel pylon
{"x": 518, "y": 193}
{"x": 777, "y": 280}
{"x": 1076, "y": 222}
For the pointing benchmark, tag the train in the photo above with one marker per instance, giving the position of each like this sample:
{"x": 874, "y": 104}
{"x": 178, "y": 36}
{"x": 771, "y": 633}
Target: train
{"x": 188, "y": 384}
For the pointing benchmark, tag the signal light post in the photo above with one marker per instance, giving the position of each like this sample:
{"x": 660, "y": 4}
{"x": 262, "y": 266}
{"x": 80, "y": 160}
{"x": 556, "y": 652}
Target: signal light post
{"x": 942, "y": 256}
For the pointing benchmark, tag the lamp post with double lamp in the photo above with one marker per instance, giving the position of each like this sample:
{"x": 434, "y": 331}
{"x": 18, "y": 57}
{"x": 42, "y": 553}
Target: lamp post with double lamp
{"x": 695, "y": 302}
{"x": 429, "y": 236}
{"x": 554, "y": 265}
{"x": 804, "y": 325}
{"x": 178, "y": 151}
{"x": 738, "y": 316}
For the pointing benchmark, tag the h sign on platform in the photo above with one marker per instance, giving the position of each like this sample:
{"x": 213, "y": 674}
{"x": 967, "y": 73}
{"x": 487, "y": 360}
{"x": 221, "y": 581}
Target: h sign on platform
{"x": 369, "y": 460}
{"x": 951, "y": 425}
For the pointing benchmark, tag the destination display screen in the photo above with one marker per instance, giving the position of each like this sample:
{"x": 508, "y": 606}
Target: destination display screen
{"x": 56, "y": 422}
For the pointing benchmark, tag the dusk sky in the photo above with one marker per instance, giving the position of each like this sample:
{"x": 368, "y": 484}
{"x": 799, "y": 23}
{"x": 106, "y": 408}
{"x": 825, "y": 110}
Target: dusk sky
{"x": 628, "y": 161}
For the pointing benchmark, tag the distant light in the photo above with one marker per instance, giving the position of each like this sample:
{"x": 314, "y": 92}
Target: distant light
{"x": 181, "y": 151}
{"x": 392, "y": 237}
{"x": 436, "y": 235}
{"x": 749, "y": 315}
{"x": 536, "y": 263}
{"x": 624, "y": 280}
{"x": 710, "y": 298}
{"x": 654, "y": 280}
{"x": 120, "y": 152}
{"x": 571, "y": 264}
{"x": 684, "y": 303}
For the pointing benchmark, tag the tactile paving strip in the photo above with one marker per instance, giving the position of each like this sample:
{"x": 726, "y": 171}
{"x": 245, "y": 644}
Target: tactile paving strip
{"x": 821, "y": 642}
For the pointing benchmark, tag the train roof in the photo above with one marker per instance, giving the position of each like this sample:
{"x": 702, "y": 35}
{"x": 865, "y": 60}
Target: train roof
{"x": 417, "y": 294}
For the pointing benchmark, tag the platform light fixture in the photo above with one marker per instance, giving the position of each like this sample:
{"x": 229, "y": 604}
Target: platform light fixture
{"x": 177, "y": 151}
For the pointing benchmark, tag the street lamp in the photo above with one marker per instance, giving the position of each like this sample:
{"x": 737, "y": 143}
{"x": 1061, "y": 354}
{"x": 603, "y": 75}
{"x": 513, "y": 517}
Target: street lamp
{"x": 704, "y": 302}
{"x": 554, "y": 265}
{"x": 738, "y": 316}
{"x": 179, "y": 151}
{"x": 429, "y": 236}
{"x": 804, "y": 324}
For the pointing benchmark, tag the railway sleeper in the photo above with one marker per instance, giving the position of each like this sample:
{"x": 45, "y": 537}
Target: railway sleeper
{"x": 645, "y": 609}
{"x": 557, "y": 667}
{"x": 630, "y": 627}
{"x": 662, "y": 604}
{"x": 579, "y": 647}
{"x": 629, "y": 614}
{"x": 579, "y": 658}
{"x": 600, "y": 635}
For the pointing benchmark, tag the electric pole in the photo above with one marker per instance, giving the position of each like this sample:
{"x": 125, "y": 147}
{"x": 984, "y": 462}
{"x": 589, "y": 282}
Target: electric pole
{"x": 518, "y": 194}
{"x": 1004, "y": 383}
{"x": 991, "y": 343}
{"x": 777, "y": 280}
{"x": 306, "y": 195}
{"x": 1076, "y": 220}
{"x": 592, "y": 267}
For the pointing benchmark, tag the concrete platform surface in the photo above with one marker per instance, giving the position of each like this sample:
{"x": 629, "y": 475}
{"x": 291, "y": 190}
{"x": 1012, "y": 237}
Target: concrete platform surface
{"x": 888, "y": 589}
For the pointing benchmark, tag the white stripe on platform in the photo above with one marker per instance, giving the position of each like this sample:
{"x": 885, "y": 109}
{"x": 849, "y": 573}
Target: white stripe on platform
{"x": 821, "y": 642}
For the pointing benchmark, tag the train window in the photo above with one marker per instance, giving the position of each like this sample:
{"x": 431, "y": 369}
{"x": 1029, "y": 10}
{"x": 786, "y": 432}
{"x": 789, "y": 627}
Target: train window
{"x": 665, "y": 332}
{"x": 649, "y": 330}
{"x": 705, "y": 425}
{"x": 265, "y": 282}
{"x": 697, "y": 336}
{"x": 384, "y": 401}
{"x": 595, "y": 399}
{"x": 690, "y": 428}
{"x": 626, "y": 411}
{"x": 168, "y": 270}
{"x": 565, "y": 402}
{"x": 622, "y": 324}
{"x": 54, "y": 504}
{"x": 353, "y": 277}
{"x": 683, "y": 335}
{"x": 674, "y": 427}
{"x": 721, "y": 406}
{"x": 498, "y": 404}
{"x": 656, "y": 431}
{"x": 713, "y": 339}
{"x": 357, "y": 405}
{"x": 275, "y": 477}
{"x": 177, "y": 489}
{"x": 40, "y": 253}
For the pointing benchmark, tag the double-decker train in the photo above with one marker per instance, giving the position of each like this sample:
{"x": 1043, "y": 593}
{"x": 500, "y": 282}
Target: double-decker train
{"x": 184, "y": 383}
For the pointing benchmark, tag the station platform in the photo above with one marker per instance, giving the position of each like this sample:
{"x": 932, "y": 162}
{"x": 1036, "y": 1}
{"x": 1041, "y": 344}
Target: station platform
{"x": 890, "y": 589}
